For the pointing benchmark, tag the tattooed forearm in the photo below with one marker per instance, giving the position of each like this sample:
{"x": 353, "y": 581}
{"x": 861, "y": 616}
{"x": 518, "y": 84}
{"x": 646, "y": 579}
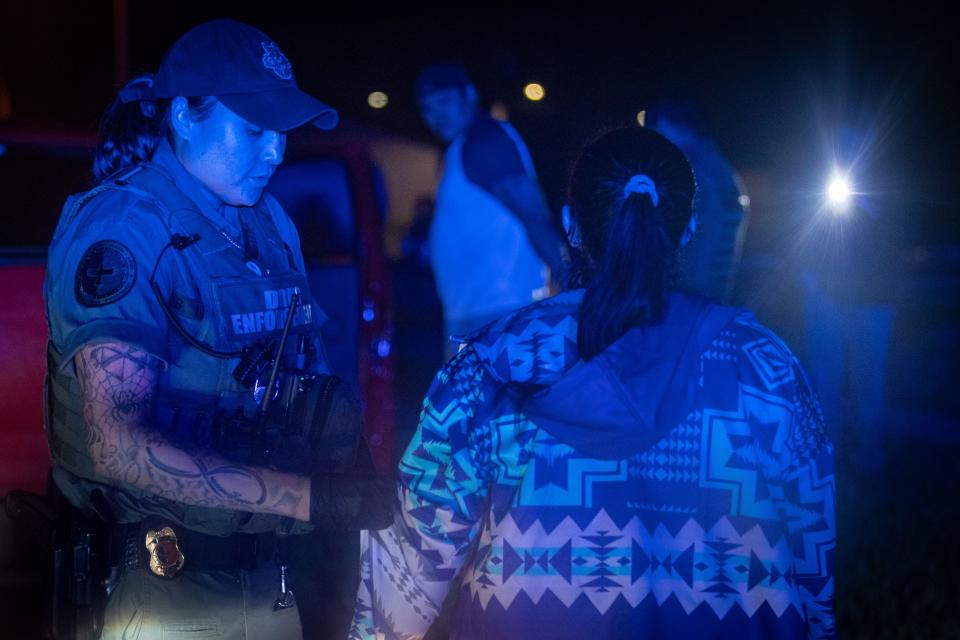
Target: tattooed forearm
{"x": 217, "y": 478}
{"x": 118, "y": 382}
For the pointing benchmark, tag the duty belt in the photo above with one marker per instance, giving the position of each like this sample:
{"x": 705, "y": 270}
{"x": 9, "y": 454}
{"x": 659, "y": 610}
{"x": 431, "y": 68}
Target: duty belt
{"x": 168, "y": 548}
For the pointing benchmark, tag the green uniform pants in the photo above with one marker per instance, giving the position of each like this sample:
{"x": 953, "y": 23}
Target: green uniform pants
{"x": 199, "y": 604}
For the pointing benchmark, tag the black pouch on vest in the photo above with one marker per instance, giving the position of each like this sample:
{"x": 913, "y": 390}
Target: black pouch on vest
{"x": 322, "y": 429}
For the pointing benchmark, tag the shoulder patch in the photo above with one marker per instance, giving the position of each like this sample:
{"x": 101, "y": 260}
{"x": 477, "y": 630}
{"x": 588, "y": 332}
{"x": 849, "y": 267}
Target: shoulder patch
{"x": 105, "y": 274}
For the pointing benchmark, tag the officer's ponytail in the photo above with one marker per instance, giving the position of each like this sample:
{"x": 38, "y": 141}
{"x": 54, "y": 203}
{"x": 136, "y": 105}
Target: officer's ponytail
{"x": 130, "y": 129}
{"x": 134, "y": 124}
{"x": 632, "y": 194}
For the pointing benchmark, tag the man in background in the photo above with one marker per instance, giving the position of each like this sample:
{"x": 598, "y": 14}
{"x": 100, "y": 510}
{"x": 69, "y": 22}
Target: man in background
{"x": 493, "y": 244}
{"x": 708, "y": 263}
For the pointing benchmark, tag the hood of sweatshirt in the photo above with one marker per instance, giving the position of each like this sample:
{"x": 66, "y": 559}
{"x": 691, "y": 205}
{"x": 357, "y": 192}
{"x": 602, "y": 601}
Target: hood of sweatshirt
{"x": 620, "y": 402}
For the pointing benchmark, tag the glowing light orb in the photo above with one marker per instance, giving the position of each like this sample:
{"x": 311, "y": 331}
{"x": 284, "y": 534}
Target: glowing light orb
{"x": 534, "y": 92}
{"x": 377, "y": 100}
{"x": 839, "y": 192}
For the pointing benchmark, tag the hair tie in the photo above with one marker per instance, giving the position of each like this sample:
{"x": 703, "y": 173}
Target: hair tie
{"x": 642, "y": 183}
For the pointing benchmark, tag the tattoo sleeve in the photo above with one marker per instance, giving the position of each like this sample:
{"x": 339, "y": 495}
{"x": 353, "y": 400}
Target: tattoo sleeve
{"x": 118, "y": 382}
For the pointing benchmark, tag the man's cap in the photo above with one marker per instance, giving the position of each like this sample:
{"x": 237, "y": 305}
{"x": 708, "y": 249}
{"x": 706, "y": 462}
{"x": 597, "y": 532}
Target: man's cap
{"x": 244, "y": 69}
{"x": 438, "y": 77}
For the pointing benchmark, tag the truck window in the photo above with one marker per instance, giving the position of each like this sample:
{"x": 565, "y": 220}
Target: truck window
{"x": 316, "y": 195}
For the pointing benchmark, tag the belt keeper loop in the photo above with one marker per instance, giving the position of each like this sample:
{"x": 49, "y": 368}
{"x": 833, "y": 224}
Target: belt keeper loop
{"x": 133, "y": 555}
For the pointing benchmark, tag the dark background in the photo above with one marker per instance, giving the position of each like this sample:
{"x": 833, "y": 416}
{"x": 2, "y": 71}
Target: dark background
{"x": 775, "y": 83}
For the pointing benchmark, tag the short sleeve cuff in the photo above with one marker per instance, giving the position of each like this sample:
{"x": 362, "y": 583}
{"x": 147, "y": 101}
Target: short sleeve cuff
{"x": 146, "y": 337}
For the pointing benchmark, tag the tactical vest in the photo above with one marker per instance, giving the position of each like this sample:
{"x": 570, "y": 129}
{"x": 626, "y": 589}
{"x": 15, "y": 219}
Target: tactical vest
{"x": 227, "y": 305}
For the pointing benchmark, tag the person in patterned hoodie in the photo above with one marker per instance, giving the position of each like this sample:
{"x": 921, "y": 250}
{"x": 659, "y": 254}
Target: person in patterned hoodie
{"x": 622, "y": 460}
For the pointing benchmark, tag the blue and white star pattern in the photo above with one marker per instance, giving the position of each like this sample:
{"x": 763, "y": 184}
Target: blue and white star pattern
{"x": 724, "y": 527}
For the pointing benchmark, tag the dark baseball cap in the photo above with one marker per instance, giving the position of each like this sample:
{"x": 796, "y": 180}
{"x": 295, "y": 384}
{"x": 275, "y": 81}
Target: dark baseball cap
{"x": 244, "y": 69}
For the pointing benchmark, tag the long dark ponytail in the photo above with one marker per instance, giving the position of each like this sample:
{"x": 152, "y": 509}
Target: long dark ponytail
{"x": 129, "y": 129}
{"x": 134, "y": 124}
{"x": 631, "y": 193}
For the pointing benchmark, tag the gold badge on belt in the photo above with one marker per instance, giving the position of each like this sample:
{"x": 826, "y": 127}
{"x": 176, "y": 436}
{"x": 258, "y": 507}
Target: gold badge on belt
{"x": 166, "y": 560}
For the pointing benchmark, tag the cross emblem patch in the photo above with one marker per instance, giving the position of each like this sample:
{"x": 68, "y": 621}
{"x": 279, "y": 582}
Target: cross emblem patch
{"x": 106, "y": 273}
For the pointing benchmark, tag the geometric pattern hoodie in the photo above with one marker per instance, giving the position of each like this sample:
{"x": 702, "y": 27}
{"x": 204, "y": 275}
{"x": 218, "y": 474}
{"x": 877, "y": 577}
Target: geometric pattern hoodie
{"x": 679, "y": 484}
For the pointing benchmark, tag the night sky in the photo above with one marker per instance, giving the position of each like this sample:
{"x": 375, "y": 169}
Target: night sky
{"x": 774, "y": 83}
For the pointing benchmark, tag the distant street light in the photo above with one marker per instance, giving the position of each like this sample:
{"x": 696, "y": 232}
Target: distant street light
{"x": 377, "y": 100}
{"x": 534, "y": 92}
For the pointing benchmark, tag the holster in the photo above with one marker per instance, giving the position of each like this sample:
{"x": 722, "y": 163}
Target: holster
{"x": 76, "y": 576}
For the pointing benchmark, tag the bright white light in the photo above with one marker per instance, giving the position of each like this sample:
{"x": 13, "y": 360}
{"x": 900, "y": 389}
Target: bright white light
{"x": 839, "y": 192}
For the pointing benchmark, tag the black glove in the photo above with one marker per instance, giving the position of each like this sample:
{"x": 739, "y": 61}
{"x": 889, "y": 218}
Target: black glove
{"x": 352, "y": 501}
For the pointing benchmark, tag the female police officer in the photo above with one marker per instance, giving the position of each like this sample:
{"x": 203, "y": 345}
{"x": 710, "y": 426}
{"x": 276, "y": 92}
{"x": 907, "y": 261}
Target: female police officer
{"x": 168, "y": 286}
